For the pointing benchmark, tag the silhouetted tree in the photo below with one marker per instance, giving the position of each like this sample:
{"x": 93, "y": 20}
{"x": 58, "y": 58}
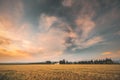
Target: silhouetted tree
{"x": 48, "y": 62}
{"x": 62, "y": 61}
{"x": 108, "y": 61}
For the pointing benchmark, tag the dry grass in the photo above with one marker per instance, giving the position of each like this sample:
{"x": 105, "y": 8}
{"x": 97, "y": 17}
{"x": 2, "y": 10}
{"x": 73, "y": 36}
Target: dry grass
{"x": 59, "y": 72}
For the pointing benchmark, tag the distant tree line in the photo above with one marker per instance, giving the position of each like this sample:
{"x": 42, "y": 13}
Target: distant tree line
{"x": 100, "y": 61}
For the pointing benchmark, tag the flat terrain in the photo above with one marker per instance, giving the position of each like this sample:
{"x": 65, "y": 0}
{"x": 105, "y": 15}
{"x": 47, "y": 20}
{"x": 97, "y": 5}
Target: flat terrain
{"x": 60, "y": 72}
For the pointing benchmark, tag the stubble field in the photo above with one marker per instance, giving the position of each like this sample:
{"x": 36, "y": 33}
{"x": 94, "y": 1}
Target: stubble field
{"x": 59, "y": 72}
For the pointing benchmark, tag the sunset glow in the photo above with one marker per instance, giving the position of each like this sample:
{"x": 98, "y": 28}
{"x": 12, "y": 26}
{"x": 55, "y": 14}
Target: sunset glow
{"x": 40, "y": 30}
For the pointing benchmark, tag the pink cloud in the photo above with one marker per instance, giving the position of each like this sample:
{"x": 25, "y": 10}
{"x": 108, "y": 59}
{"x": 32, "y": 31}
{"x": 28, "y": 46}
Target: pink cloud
{"x": 88, "y": 43}
{"x": 118, "y": 33}
{"x": 46, "y": 22}
{"x": 67, "y": 3}
{"x": 85, "y": 25}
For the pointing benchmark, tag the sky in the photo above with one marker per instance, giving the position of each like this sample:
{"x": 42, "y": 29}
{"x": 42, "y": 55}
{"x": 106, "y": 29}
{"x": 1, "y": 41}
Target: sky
{"x": 41, "y": 30}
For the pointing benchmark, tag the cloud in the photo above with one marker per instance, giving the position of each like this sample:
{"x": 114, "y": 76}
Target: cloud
{"x": 51, "y": 39}
{"x": 118, "y": 33}
{"x": 14, "y": 55}
{"x": 92, "y": 41}
{"x": 14, "y": 37}
{"x": 13, "y": 10}
{"x": 47, "y": 32}
{"x": 5, "y": 22}
{"x": 10, "y": 17}
{"x": 83, "y": 33}
{"x": 46, "y": 22}
{"x": 88, "y": 43}
{"x": 46, "y": 43}
{"x": 107, "y": 53}
{"x": 4, "y": 41}
{"x": 18, "y": 38}
{"x": 67, "y": 3}
{"x": 108, "y": 19}
{"x": 85, "y": 25}
{"x": 110, "y": 54}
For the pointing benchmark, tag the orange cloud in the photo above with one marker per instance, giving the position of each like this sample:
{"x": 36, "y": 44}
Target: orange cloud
{"x": 15, "y": 55}
{"x": 9, "y": 22}
{"x": 107, "y": 53}
{"x": 5, "y": 21}
{"x": 14, "y": 37}
{"x": 4, "y": 41}
{"x": 41, "y": 45}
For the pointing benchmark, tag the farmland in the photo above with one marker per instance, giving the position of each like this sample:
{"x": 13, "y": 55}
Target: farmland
{"x": 60, "y": 72}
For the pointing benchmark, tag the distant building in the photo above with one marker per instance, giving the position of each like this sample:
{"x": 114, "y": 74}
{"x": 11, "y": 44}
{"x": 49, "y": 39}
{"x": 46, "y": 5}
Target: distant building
{"x": 57, "y": 63}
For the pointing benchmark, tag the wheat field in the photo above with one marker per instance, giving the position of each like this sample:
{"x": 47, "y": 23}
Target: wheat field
{"x": 60, "y": 72}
